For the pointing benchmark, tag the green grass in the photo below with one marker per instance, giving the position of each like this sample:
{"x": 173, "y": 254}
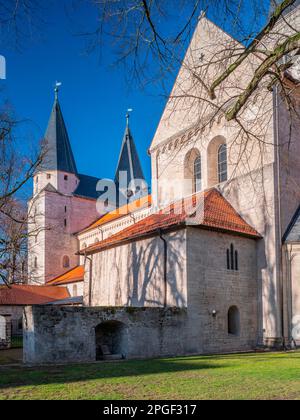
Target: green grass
{"x": 251, "y": 376}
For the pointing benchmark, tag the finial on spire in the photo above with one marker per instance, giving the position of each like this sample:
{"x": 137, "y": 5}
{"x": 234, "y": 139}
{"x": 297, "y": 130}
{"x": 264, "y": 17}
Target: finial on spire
{"x": 128, "y": 116}
{"x": 56, "y": 90}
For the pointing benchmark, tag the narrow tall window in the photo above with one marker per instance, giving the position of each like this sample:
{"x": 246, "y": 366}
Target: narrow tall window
{"x": 35, "y": 262}
{"x": 228, "y": 259}
{"x": 232, "y": 258}
{"x": 236, "y": 261}
{"x": 65, "y": 223}
{"x": 222, "y": 163}
{"x": 48, "y": 176}
{"x": 66, "y": 177}
{"x": 197, "y": 174}
{"x": 75, "y": 291}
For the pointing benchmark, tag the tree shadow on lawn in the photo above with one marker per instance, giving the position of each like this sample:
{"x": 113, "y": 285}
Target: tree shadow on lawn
{"x": 23, "y": 376}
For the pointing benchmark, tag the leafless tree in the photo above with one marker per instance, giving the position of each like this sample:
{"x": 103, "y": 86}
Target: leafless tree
{"x": 20, "y": 20}
{"x": 16, "y": 170}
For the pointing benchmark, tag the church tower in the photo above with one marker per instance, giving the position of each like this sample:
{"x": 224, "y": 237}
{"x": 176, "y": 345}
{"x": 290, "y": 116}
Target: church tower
{"x": 129, "y": 179}
{"x": 63, "y": 203}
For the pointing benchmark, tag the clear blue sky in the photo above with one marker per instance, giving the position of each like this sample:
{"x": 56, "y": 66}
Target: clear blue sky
{"x": 94, "y": 96}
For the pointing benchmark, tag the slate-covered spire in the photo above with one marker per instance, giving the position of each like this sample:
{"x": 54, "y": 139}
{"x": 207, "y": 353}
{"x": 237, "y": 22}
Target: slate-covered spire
{"x": 129, "y": 161}
{"x": 59, "y": 152}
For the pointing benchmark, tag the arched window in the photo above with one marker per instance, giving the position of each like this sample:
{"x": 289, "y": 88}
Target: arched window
{"x": 222, "y": 163}
{"x": 234, "y": 321}
{"x": 197, "y": 174}
{"x": 66, "y": 262}
{"x": 192, "y": 172}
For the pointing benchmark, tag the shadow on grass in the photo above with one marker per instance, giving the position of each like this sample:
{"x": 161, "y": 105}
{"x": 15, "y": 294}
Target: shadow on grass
{"x": 22, "y": 376}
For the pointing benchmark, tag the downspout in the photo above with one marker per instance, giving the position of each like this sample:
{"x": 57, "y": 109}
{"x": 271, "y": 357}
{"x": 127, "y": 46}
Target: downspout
{"x": 90, "y": 259}
{"x": 279, "y": 214}
{"x": 165, "y": 269}
{"x": 289, "y": 260}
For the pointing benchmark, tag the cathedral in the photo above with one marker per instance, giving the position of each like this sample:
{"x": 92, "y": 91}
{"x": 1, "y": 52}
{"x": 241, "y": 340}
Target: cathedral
{"x": 209, "y": 262}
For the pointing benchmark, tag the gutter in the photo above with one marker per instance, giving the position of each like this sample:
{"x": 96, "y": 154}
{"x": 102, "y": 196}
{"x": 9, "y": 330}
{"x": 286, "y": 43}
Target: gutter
{"x": 90, "y": 259}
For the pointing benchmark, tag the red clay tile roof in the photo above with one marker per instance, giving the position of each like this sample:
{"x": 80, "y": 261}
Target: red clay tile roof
{"x": 73, "y": 276}
{"x": 141, "y": 203}
{"x": 31, "y": 295}
{"x": 209, "y": 210}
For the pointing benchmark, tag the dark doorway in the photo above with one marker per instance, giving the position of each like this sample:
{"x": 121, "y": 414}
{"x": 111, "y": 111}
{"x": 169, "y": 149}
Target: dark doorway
{"x": 234, "y": 321}
{"x": 111, "y": 341}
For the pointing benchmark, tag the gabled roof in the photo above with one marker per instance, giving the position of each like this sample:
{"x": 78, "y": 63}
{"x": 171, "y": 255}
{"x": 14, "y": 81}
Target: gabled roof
{"x": 74, "y": 275}
{"x": 292, "y": 233}
{"x": 141, "y": 203}
{"x": 59, "y": 152}
{"x": 207, "y": 210}
{"x": 22, "y": 295}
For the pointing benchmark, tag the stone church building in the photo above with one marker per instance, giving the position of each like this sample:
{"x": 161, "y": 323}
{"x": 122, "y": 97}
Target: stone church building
{"x": 209, "y": 262}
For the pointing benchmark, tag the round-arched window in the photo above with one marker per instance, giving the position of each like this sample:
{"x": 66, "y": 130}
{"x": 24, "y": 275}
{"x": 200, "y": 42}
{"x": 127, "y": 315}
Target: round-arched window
{"x": 66, "y": 262}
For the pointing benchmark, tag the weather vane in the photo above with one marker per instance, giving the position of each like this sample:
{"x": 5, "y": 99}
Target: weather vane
{"x": 128, "y": 115}
{"x": 56, "y": 90}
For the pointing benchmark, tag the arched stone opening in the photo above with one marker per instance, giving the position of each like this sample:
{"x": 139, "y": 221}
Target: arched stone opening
{"x": 234, "y": 321}
{"x": 216, "y": 167}
{"x": 111, "y": 340}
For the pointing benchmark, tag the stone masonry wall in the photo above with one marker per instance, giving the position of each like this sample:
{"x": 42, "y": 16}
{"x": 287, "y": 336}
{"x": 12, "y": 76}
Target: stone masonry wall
{"x": 63, "y": 335}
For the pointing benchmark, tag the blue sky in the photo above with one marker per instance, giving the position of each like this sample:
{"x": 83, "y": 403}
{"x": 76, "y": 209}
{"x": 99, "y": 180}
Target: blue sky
{"x": 94, "y": 96}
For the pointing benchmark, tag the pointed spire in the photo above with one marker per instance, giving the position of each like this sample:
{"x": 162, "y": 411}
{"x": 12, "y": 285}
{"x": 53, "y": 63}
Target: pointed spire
{"x": 129, "y": 163}
{"x": 59, "y": 152}
{"x": 129, "y": 160}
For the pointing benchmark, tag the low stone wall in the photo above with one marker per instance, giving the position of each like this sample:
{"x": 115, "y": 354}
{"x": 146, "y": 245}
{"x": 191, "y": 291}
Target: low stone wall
{"x": 5, "y": 332}
{"x": 69, "y": 334}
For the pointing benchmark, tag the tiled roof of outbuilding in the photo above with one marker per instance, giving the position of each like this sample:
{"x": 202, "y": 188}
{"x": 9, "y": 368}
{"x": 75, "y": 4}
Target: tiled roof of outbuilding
{"x": 72, "y": 276}
{"x": 208, "y": 210}
{"x": 22, "y": 295}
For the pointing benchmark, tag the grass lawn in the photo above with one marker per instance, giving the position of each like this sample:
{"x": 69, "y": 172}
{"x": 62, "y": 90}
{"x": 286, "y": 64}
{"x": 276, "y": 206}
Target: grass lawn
{"x": 247, "y": 376}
